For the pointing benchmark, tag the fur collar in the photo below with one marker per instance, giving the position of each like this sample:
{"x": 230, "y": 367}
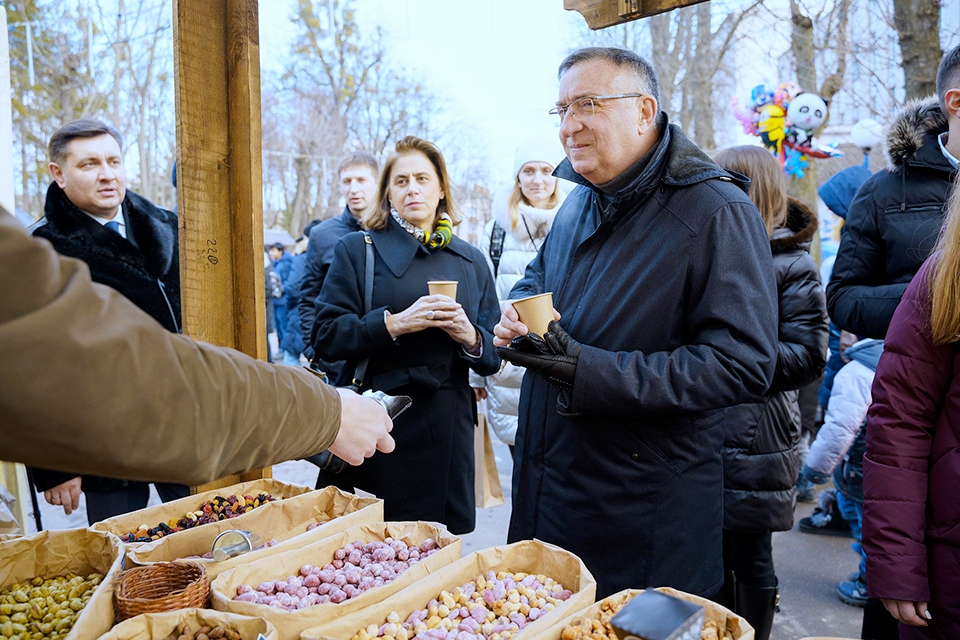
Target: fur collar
{"x": 798, "y": 231}
{"x": 916, "y": 127}
{"x": 153, "y": 228}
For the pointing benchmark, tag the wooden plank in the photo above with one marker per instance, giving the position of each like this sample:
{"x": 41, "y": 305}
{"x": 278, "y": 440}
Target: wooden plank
{"x": 600, "y": 14}
{"x": 219, "y": 177}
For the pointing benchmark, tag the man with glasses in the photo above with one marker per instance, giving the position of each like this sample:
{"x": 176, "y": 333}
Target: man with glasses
{"x": 662, "y": 278}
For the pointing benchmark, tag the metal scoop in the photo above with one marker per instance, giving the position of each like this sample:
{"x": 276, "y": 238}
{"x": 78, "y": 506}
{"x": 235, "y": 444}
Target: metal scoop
{"x": 233, "y": 542}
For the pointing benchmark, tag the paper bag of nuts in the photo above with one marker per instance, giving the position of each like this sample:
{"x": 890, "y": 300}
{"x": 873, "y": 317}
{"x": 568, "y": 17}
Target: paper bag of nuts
{"x": 285, "y": 523}
{"x": 195, "y": 624}
{"x": 59, "y": 584}
{"x": 335, "y": 576}
{"x": 508, "y": 584}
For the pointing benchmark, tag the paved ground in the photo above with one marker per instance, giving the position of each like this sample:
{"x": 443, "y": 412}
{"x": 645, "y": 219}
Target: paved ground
{"x": 808, "y": 566}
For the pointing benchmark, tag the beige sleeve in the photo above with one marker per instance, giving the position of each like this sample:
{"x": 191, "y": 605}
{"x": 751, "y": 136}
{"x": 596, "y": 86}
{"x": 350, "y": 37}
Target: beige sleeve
{"x": 91, "y": 384}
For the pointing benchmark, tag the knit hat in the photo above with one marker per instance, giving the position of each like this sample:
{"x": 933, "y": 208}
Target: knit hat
{"x": 838, "y": 192}
{"x": 537, "y": 150}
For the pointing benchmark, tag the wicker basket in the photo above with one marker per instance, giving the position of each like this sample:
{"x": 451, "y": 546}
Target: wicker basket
{"x": 165, "y": 586}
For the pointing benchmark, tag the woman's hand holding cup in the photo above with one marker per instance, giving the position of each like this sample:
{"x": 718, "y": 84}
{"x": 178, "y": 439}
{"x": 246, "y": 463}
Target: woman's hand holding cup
{"x": 441, "y": 312}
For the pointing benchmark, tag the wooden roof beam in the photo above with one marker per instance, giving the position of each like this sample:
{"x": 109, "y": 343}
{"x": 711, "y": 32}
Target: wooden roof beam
{"x": 600, "y": 14}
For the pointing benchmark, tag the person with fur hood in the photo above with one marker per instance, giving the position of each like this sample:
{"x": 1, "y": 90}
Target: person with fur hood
{"x": 521, "y": 220}
{"x": 891, "y": 228}
{"x": 761, "y": 438}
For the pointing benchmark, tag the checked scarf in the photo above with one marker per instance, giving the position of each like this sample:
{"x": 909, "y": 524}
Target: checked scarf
{"x": 440, "y": 238}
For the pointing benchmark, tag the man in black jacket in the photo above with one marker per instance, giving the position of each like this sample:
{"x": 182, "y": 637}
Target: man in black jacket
{"x": 358, "y": 174}
{"x": 891, "y": 228}
{"x": 660, "y": 267}
{"x": 130, "y": 245}
{"x": 894, "y": 220}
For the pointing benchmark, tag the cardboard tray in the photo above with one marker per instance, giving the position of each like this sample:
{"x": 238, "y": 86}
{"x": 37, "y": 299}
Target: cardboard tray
{"x": 285, "y": 521}
{"x": 530, "y": 556}
{"x": 730, "y": 621}
{"x": 279, "y": 566}
{"x": 49, "y": 554}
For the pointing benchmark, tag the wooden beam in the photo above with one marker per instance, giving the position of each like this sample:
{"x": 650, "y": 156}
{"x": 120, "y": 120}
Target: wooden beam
{"x": 600, "y": 14}
{"x": 219, "y": 176}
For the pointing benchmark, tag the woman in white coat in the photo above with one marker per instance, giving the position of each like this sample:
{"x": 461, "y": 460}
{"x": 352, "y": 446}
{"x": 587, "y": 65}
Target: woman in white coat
{"x": 521, "y": 220}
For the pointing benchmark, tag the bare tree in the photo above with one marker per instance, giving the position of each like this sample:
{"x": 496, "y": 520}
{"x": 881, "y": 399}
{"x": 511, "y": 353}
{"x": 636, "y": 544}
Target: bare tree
{"x": 918, "y": 26}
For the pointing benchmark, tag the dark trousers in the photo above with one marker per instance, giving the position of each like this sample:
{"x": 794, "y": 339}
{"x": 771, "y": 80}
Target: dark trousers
{"x": 749, "y": 556}
{"x": 133, "y": 497}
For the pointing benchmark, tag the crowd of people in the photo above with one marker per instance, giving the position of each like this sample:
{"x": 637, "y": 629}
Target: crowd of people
{"x": 655, "y": 426}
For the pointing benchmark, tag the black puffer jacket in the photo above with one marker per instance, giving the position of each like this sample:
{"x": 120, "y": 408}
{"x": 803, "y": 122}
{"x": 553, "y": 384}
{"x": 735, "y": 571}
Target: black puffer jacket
{"x": 760, "y": 455}
{"x": 892, "y": 225}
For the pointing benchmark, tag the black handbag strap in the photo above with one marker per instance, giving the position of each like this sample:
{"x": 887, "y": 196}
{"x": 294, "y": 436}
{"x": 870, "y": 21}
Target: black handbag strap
{"x": 361, "y": 370}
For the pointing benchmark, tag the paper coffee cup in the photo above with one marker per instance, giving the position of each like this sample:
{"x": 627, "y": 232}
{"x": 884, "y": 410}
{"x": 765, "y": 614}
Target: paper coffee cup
{"x": 443, "y": 287}
{"x": 536, "y": 312}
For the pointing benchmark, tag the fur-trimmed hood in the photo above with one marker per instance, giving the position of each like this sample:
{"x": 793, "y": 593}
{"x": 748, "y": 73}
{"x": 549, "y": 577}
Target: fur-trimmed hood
{"x": 912, "y": 136}
{"x": 798, "y": 232}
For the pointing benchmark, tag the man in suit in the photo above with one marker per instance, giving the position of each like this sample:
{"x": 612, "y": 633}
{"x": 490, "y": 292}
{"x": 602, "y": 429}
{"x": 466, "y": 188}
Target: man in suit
{"x": 129, "y": 244}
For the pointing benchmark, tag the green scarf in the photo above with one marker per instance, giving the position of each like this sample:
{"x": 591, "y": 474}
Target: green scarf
{"x": 440, "y": 238}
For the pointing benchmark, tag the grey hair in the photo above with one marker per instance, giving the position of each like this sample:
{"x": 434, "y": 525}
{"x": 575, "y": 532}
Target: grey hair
{"x": 948, "y": 76}
{"x": 642, "y": 70}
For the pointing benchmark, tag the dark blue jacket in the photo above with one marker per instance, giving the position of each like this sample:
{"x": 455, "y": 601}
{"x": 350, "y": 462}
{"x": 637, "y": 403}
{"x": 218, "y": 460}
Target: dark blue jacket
{"x": 674, "y": 299}
{"x": 429, "y": 476}
{"x": 292, "y": 336}
{"x": 282, "y": 267}
{"x": 323, "y": 238}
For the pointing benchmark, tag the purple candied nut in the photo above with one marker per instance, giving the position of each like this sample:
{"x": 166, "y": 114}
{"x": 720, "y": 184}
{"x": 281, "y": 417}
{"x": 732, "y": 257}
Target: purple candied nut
{"x": 277, "y": 604}
{"x": 488, "y": 597}
{"x": 306, "y": 570}
{"x": 339, "y": 554}
{"x": 348, "y": 548}
{"x": 351, "y": 591}
{"x": 466, "y": 635}
{"x": 528, "y": 581}
{"x": 355, "y": 556}
{"x": 378, "y": 582}
{"x": 329, "y": 567}
{"x": 428, "y": 544}
{"x": 312, "y": 581}
{"x": 338, "y": 564}
{"x": 247, "y": 597}
{"x": 327, "y": 575}
{"x": 499, "y": 591}
{"x": 469, "y": 624}
{"x": 413, "y": 561}
{"x": 325, "y": 588}
{"x": 563, "y": 595}
{"x": 279, "y": 585}
{"x": 266, "y": 587}
{"x": 340, "y": 580}
{"x": 518, "y": 619}
{"x": 302, "y": 592}
{"x": 290, "y": 589}
{"x": 244, "y": 588}
{"x": 374, "y": 569}
{"x": 524, "y": 600}
{"x": 384, "y": 554}
{"x": 491, "y": 576}
{"x": 400, "y": 567}
{"x": 534, "y": 613}
{"x": 338, "y": 596}
{"x": 468, "y": 589}
{"x": 388, "y": 575}
{"x": 478, "y": 614}
{"x": 323, "y": 600}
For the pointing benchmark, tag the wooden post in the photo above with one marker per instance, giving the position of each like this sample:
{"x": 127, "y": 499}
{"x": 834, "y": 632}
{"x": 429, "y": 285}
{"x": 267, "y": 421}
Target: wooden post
{"x": 606, "y": 13}
{"x": 219, "y": 177}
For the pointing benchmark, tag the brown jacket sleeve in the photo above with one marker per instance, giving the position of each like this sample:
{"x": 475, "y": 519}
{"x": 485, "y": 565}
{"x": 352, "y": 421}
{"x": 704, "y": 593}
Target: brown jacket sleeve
{"x": 91, "y": 384}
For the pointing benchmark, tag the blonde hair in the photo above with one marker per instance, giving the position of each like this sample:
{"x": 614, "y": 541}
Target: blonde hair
{"x": 516, "y": 197}
{"x": 944, "y": 279}
{"x": 376, "y": 217}
{"x": 768, "y": 189}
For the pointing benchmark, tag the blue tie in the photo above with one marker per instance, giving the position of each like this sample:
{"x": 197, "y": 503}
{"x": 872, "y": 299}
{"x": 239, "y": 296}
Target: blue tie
{"x": 114, "y": 226}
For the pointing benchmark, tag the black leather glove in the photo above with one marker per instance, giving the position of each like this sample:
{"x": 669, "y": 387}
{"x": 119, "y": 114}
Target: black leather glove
{"x": 554, "y": 356}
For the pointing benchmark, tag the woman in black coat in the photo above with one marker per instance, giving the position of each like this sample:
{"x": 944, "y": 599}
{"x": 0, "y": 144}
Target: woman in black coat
{"x": 418, "y": 344}
{"x": 760, "y": 455}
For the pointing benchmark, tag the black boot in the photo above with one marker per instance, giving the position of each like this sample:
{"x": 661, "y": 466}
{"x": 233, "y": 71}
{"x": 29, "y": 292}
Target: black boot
{"x": 757, "y": 605}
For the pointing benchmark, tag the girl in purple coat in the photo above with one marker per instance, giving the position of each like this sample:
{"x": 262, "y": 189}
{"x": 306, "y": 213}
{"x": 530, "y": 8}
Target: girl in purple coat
{"x": 911, "y": 516}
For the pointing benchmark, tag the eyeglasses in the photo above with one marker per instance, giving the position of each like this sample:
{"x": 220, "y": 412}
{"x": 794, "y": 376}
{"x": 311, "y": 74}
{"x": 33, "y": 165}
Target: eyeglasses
{"x": 587, "y": 105}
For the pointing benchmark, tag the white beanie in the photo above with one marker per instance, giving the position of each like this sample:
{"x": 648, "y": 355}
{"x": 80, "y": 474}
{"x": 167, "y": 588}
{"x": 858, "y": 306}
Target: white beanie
{"x": 537, "y": 150}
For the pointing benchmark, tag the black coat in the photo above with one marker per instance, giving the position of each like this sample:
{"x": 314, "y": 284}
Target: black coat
{"x": 892, "y": 225}
{"x": 760, "y": 456}
{"x": 430, "y": 474}
{"x": 674, "y": 299}
{"x": 147, "y": 272}
{"x": 323, "y": 239}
